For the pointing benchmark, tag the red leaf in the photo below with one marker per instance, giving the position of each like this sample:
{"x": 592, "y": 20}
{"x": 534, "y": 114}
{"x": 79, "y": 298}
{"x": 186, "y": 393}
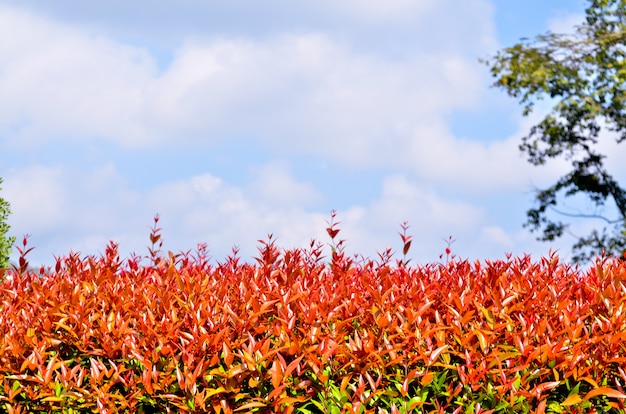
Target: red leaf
{"x": 332, "y": 232}
{"x": 407, "y": 246}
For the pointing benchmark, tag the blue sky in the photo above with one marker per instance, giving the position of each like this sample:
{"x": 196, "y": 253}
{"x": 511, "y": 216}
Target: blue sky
{"x": 232, "y": 120}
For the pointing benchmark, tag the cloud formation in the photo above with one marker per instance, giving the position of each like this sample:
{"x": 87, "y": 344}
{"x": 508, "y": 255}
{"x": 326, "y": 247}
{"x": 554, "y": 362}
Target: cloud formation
{"x": 84, "y": 93}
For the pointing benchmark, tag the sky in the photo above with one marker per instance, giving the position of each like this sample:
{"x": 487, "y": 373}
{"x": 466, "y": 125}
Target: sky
{"x": 233, "y": 120}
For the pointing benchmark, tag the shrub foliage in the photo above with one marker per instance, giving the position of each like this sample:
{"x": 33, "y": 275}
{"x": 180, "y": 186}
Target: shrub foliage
{"x": 297, "y": 332}
{"x": 6, "y": 241}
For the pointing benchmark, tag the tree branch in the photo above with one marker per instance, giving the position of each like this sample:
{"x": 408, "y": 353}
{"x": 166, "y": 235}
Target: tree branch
{"x": 581, "y": 215}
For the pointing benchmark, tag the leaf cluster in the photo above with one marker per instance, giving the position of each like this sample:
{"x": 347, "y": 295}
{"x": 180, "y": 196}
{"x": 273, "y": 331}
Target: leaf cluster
{"x": 293, "y": 333}
{"x": 583, "y": 76}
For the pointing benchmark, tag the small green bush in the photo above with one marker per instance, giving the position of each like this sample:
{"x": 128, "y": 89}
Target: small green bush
{"x": 5, "y": 241}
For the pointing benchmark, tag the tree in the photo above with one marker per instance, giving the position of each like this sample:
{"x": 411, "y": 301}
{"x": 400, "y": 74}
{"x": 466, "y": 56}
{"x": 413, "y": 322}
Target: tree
{"x": 582, "y": 75}
{"x": 5, "y": 241}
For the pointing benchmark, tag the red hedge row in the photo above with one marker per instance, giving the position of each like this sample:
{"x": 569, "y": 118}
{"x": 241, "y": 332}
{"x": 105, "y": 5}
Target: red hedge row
{"x": 299, "y": 332}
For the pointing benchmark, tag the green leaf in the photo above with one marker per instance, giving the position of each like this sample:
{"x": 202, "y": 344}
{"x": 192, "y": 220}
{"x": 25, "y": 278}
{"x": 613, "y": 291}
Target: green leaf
{"x": 58, "y": 389}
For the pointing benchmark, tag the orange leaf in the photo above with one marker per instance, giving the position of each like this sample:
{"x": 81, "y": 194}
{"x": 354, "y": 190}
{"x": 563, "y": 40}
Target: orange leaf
{"x": 234, "y": 371}
{"x": 424, "y": 308}
{"x": 253, "y": 382}
{"x": 405, "y": 385}
{"x": 572, "y": 400}
{"x": 276, "y": 374}
{"x": 276, "y": 392}
{"x": 382, "y": 321}
{"x": 53, "y": 399}
{"x": 590, "y": 381}
{"x": 228, "y": 355}
{"x": 265, "y": 307}
{"x": 416, "y": 404}
{"x": 290, "y": 400}
{"x": 427, "y": 379}
{"x": 481, "y": 340}
{"x": 292, "y": 366}
{"x": 344, "y": 382}
{"x": 253, "y": 404}
{"x": 541, "y": 408}
{"x": 433, "y": 357}
{"x": 545, "y": 386}
{"x": 146, "y": 381}
{"x": 609, "y": 392}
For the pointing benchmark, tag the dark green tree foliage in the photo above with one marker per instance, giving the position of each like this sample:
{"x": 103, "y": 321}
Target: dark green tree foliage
{"x": 5, "y": 241}
{"x": 584, "y": 74}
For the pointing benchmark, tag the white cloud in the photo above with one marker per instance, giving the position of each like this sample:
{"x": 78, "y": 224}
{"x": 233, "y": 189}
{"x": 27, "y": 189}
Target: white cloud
{"x": 296, "y": 93}
{"x": 302, "y": 93}
{"x": 376, "y": 11}
{"x": 204, "y": 209}
{"x": 82, "y": 211}
{"x": 497, "y": 235}
{"x": 65, "y": 82}
{"x": 565, "y": 23}
{"x": 274, "y": 185}
{"x": 38, "y": 198}
{"x": 371, "y": 228}
{"x": 401, "y": 197}
{"x": 67, "y": 210}
{"x": 473, "y": 166}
